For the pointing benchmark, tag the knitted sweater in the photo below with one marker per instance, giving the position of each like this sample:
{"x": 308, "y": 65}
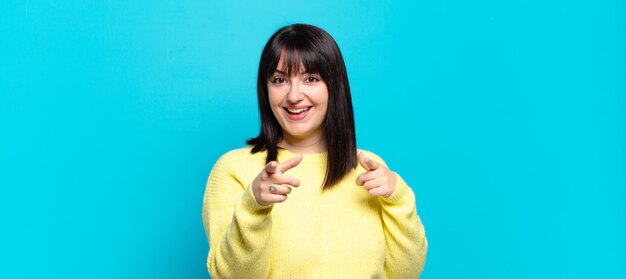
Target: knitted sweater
{"x": 338, "y": 233}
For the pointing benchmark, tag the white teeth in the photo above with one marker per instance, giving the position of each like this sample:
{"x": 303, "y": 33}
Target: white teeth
{"x": 297, "y": 110}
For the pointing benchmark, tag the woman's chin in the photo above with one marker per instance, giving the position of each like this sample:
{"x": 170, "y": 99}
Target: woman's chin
{"x": 299, "y": 134}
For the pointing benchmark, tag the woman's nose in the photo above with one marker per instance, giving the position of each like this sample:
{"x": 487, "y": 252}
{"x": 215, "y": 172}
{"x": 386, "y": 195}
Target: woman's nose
{"x": 295, "y": 95}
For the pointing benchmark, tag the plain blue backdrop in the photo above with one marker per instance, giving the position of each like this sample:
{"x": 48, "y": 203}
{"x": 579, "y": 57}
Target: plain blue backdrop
{"x": 507, "y": 118}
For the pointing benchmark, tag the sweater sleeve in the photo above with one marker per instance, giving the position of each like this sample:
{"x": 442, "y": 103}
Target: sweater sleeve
{"x": 238, "y": 228}
{"x": 404, "y": 234}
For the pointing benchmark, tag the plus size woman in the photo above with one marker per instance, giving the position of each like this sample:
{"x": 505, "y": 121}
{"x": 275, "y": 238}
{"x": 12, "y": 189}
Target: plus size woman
{"x": 301, "y": 201}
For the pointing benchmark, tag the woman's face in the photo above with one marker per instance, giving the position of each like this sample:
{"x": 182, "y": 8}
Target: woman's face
{"x": 299, "y": 102}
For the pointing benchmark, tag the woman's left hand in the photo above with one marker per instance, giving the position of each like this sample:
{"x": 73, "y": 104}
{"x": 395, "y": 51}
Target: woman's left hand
{"x": 378, "y": 180}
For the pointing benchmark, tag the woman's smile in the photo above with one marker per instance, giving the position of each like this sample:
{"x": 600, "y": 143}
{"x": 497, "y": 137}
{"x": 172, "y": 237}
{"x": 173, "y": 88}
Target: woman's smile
{"x": 297, "y": 113}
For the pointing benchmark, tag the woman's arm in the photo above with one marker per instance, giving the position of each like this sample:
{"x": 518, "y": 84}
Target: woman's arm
{"x": 238, "y": 228}
{"x": 404, "y": 234}
{"x": 405, "y": 238}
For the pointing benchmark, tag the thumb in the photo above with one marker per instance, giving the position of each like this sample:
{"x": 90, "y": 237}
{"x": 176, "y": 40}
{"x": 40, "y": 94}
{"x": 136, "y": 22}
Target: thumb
{"x": 271, "y": 167}
{"x": 368, "y": 163}
{"x": 363, "y": 161}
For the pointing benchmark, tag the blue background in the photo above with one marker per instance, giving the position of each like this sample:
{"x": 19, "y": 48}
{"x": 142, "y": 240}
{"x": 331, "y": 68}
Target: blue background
{"x": 506, "y": 117}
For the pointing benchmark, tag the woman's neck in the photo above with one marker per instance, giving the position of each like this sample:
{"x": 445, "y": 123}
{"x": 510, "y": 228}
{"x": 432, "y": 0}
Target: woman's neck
{"x": 308, "y": 145}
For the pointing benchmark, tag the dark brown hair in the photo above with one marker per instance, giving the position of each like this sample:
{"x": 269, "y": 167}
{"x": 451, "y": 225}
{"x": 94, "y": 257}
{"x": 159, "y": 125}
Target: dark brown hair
{"x": 311, "y": 47}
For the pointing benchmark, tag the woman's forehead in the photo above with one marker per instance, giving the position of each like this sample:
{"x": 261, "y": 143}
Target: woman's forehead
{"x": 295, "y": 67}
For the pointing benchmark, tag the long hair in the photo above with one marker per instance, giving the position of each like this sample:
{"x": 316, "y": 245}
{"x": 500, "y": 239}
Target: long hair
{"x": 309, "y": 46}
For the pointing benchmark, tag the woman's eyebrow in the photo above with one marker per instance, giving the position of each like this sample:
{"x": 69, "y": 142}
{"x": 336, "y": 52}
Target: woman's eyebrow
{"x": 280, "y": 72}
{"x": 305, "y": 72}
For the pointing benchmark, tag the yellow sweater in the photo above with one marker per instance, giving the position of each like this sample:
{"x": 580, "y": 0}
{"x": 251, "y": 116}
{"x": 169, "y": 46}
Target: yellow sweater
{"x": 338, "y": 233}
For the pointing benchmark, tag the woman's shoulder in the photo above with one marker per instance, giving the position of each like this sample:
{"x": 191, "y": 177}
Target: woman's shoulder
{"x": 239, "y": 162}
{"x": 236, "y": 154}
{"x": 240, "y": 165}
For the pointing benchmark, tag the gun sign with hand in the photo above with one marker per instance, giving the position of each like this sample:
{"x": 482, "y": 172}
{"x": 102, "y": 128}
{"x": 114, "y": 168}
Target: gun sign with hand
{"x": 378, "y": 180}
{"x": 272, "y": 185}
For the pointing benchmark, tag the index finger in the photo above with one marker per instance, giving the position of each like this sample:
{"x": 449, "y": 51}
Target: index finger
{"x": 285, "y": 179}
{"x": 291, "y": 163}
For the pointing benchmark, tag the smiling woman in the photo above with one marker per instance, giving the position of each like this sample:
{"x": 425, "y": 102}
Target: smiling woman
{"x": 308, "y": 60}
{"x": 350, "y": 216}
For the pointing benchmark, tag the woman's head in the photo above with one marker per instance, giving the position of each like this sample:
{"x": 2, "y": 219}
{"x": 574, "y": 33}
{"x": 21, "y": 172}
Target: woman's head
{"x": 299, "y": 101}
{"x": 302, "y": 53}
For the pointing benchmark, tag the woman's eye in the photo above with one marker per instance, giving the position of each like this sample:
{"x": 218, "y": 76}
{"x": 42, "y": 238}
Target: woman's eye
{"x": 312, "y": 79}
{"x": 278, "y": 80}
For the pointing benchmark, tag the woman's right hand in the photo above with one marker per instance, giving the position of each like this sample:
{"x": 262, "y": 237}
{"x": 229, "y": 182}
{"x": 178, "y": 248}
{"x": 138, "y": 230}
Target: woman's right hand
{"x": 272, "y": 185}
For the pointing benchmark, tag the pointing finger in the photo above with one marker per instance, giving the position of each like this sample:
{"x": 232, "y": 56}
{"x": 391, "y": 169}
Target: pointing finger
{"x": 291, "y": 163}
{"x": 364, "y": 177}
{"x": 371, "y": 184}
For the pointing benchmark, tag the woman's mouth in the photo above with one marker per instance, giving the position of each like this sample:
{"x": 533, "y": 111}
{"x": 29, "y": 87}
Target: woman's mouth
{"x": 297, "y": 113}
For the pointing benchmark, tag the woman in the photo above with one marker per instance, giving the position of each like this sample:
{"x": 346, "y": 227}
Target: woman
{"x": 299, "y": 202}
